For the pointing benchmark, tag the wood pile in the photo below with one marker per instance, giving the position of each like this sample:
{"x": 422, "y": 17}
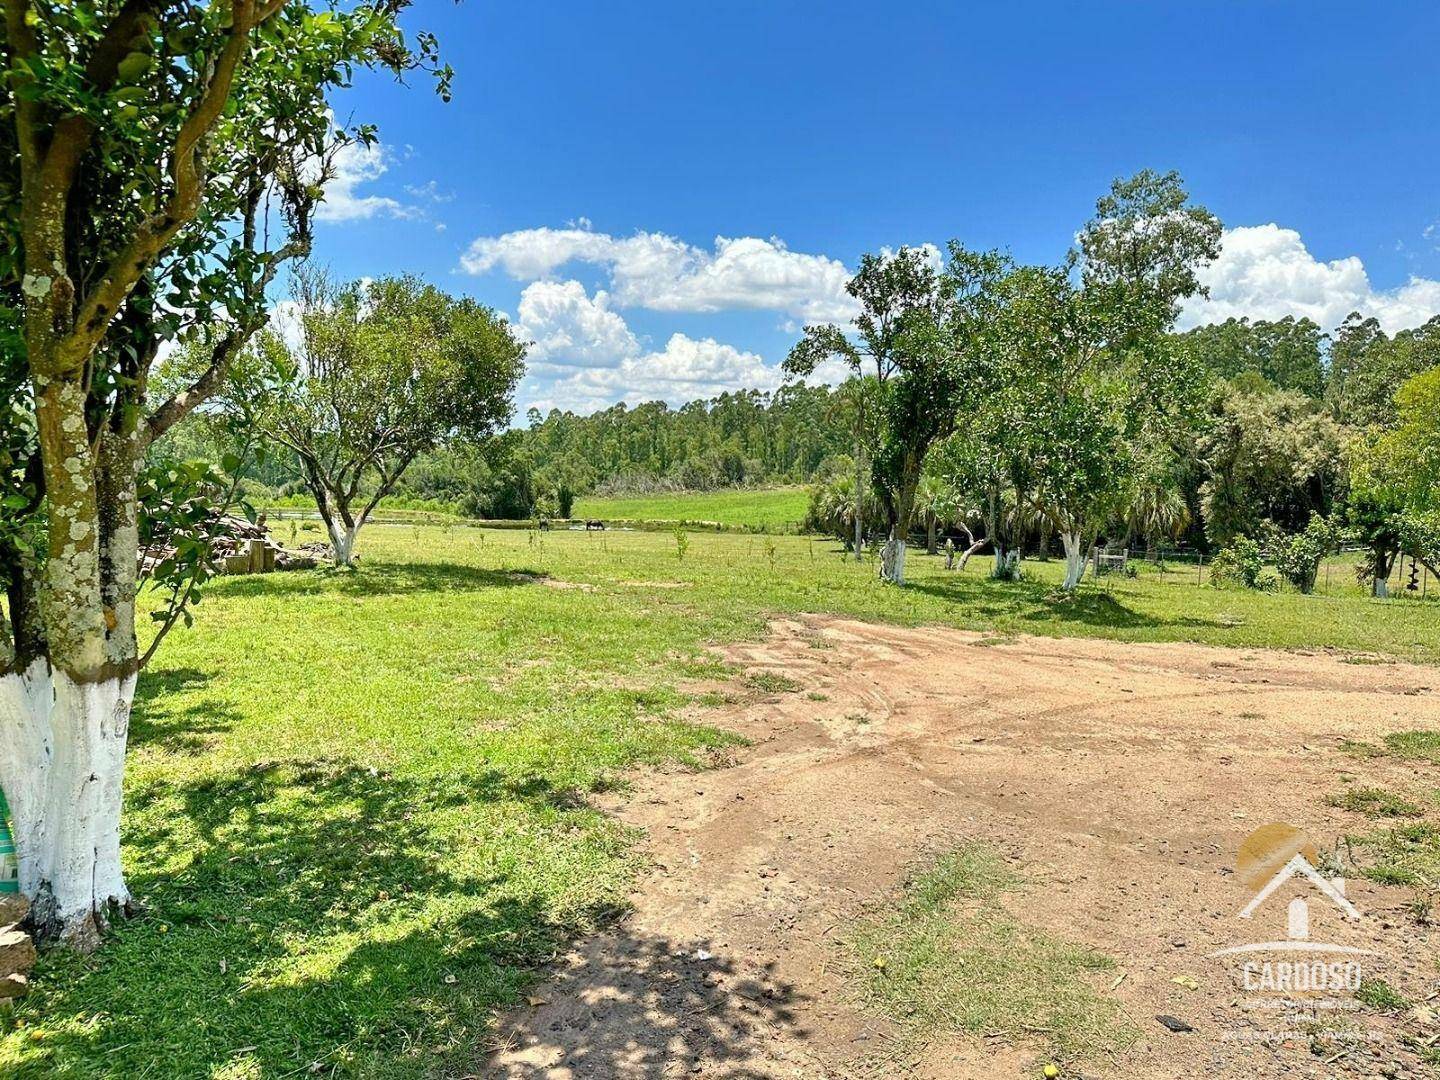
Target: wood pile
{"x": 242, "y": 546}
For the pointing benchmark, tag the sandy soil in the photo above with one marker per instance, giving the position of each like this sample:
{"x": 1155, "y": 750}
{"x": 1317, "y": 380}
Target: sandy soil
{"x": 1120, "y": 779}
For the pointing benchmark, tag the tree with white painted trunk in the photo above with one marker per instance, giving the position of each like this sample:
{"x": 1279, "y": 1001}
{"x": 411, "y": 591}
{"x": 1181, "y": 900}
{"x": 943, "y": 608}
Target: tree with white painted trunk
{"x": 920, "y": 335}
{"x": 369, "y": 375}
{"x": 143, "y": 144}
{"x": 1097, "y": 374}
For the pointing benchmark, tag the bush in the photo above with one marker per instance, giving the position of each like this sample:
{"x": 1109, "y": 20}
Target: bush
{"x": 1298, "y": 557}
{"x": 1239, "y": 565}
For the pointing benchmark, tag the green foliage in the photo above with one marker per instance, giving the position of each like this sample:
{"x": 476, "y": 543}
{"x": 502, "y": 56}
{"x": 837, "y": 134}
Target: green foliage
{"x": 1286, "y": 354}
{"x": 1269, "y": 455}
{"x": 383, "y": 371}
{"x": 1239, "y": 565}
{"x": 1366, "y": 367}
{"x": 1297, "y": 558}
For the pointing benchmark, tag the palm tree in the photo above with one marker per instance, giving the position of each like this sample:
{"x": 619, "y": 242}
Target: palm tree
{"x": 935, "y": 506}
{"x": 1156, "y": 509}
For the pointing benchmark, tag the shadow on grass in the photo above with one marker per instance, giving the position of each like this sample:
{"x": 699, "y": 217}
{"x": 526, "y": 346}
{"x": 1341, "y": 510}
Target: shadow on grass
{"x": 378, "y": 579}
{"x": 188, "y": 730}
{"x": 1036, "y": 602}
{"x": 303, "y": 912}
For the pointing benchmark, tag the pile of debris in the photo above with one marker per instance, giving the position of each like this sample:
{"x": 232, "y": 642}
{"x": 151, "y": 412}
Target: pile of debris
{"x": 246, "y": 547}
{"x": 241, "y": 546}
{"x": 17, "y": 951}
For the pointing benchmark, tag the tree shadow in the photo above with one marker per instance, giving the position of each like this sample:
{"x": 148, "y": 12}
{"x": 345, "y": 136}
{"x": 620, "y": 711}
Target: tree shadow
{"x": 302, "y": 912}
{"x": 649, "y": 1007}
{"x": 380, "y": 579}
{"x": 157, "y": 720}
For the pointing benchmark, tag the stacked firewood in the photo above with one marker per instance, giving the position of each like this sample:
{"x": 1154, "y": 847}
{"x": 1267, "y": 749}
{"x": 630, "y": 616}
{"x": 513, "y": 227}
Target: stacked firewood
{"x": 241, "y": 546}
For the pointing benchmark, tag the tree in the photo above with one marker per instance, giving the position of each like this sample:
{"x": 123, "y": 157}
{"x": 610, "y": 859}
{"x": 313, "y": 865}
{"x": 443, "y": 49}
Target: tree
{"x": 381, "y": 372}
{"x": 923, "y": 332}
{"x": 1098, "y": 371}
{"x": 142, "y": 146}
{"x": 1394, "y": 500}
{"x": 1267, "y": 455}
{"x": 1287, "y": 354}
{"x": 1367, "y": 368}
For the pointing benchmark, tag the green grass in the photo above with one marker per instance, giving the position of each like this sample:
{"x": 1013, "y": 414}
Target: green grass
{"x": 1375, "y": 802}
{"x": 772, "y": 509}
{"x": 1378, "y": 994}
{"x": 946, "y": 957}
{"x": 358, "y": 806}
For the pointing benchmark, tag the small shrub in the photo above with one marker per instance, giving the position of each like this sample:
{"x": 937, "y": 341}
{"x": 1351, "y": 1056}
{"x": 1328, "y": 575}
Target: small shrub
{"x": 682, "y": 542}
{"x": 1238, "y": 565}
{"x": 1298, "y": 557}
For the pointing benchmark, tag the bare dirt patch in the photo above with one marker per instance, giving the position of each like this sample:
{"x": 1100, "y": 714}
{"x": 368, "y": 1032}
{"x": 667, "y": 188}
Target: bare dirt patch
{"x": 1119, "y": 780}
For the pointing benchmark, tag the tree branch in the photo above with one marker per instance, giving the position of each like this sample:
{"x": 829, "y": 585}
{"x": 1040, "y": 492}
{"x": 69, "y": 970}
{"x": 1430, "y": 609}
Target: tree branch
{"x": 187, "y": 181}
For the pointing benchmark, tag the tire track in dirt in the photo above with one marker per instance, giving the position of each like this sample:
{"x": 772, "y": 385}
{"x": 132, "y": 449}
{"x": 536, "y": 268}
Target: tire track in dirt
{"x": 1119, "y": 778}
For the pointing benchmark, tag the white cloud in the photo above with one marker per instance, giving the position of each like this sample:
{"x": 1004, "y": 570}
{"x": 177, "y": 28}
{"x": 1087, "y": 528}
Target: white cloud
{"x": 662, "y": 273}
{"x": 585, "y": 357}
{"x": 356, "y": 164}
{"x": 1266, "y": 272}
{"x": 569, "y": 328}
{"x": 686, "y": 369}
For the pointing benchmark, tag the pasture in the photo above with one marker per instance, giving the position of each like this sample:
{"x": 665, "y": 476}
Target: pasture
{"x": 756, "y": 509}
{"x": 363, "y": 813}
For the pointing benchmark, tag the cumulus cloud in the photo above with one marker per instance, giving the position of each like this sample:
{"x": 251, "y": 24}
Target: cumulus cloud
{"x": 571, "y": 329}
{"x": 686, "y": 369}
{"x": 663, "y": 273}
{"x": 355, "y": 165}
{"x": 1266, "y": 272}
{"x": 584, "y": 356}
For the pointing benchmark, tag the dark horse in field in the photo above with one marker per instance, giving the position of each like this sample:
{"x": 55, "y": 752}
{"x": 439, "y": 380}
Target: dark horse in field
{"x": 594, "y": 523}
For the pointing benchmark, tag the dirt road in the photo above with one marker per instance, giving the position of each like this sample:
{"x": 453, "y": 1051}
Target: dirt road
{"x": 1120, "y": 780}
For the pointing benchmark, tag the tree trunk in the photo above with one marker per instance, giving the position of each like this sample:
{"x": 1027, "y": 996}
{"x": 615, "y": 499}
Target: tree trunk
{"x": 1380, "y": 584}
{"x": 342, "y": 541}
{"x": 859, "y": 503}
{"x": 67, "y": 690}
{"x": 892, "y": 558}
{"x": 931, "y": 538}
{"x": 63, "y": 767}
{"x": 1074, "y": 559}
{"x": 971, "y": 550}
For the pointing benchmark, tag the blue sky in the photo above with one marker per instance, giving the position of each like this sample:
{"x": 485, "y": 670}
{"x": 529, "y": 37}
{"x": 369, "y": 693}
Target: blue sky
{"x": 593, "y": 154}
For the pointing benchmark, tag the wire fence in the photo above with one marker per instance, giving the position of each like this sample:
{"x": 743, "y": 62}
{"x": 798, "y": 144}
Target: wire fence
{"x": 1338, "y": 572}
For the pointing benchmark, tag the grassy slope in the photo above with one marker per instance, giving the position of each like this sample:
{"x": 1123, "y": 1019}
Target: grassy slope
{"x": 355, "y": 807}
{"x": 752, "y": 508}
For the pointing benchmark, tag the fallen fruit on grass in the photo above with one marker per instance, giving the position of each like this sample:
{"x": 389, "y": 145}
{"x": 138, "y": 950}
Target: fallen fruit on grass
{"x": 881, "y": 963}
{"x": 1051, "y": 1071}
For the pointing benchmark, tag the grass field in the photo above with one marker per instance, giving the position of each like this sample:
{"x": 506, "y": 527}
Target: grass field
{"x": 357, "y": 809}
{"x": 769, "y": 508}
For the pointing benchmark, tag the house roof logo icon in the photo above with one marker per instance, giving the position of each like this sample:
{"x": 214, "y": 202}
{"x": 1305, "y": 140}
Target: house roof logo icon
{"x": 1271, "y": 858}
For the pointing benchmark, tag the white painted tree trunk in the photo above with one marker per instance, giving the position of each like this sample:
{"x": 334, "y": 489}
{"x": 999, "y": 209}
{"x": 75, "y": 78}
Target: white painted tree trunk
{"x": 892, "y": 560}
{"x": 1007, "y": 560}
{"x": 967, "y": 553}
{"x": 1381, "y": 588}
{"x": 1074, "y": 560}
{"x": 342, "y": 543}
{"x": 62, "y": 766}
